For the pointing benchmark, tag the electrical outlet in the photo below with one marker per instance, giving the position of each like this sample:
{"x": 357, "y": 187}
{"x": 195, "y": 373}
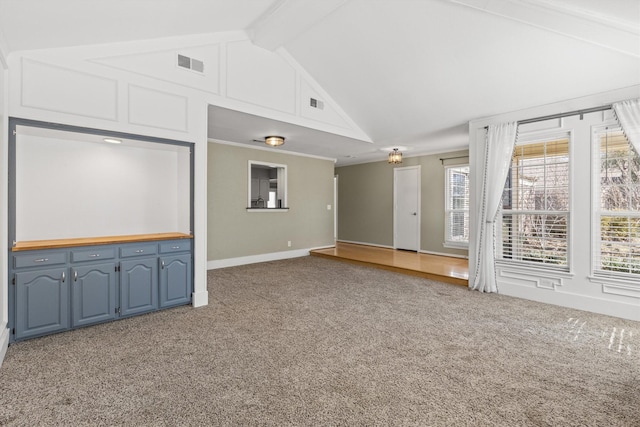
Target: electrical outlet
{"x": 289, "y": 243}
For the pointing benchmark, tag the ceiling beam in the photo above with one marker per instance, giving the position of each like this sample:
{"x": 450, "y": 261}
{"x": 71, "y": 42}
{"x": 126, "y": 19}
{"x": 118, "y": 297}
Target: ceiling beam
{"x": 592, "y": 27}
{"x": 288, "y": 19}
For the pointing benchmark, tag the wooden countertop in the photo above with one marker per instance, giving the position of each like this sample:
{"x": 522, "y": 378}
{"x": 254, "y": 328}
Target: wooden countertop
{"x": 102, "y": 240}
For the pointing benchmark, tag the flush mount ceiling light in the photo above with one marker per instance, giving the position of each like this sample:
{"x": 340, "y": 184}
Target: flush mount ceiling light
{"x": 274, "y": 141}
{"x": 112, "y": 140}
{"x": 395, "y": 157}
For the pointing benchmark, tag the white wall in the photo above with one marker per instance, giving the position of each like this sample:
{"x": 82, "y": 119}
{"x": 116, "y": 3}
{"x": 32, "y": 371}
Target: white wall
{"x": 576, "y": 288}
{"x": 95, "y": 188}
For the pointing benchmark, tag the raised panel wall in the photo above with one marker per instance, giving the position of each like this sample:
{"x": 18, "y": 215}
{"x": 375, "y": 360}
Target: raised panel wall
{"x": 54, "y": 88}
{"x": 162, "y": 65}
{"x": 158, "y": 109}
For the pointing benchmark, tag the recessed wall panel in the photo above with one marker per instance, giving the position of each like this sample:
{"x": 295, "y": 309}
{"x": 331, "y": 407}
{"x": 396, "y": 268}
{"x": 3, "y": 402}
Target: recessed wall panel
{"x": 54, "y": 88}
{"x": 163, "y": 65}
{"x": 154, "y": 108}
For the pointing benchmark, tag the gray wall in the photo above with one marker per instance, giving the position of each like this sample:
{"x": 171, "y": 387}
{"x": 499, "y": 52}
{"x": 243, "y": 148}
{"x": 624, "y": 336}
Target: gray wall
{"x": 365, "y": 201}
{"x": 234, "y": 232}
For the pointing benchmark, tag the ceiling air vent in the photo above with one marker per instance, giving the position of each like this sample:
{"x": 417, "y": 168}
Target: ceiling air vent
{"x": 316, "y": 103}
{"x": 190, "y": 63}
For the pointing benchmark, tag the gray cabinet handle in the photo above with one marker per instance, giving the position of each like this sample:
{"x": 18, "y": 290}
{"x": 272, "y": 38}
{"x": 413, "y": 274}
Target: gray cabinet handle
{"x": 41, "y": 260}
{"x": 75, "y": 275}
{"x": 94, "y": 255}
{"x": 139, "y": 251}
{"x": 63, "y": 277}
{"x": 162, "y": 264}
{"x": 175, "y": 247}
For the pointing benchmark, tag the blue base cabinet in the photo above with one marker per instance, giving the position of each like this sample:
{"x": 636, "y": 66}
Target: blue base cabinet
{"x": 175, "y": 280}
{"x": 42, "y": 301}
{"x": 138, "y": 286}
{"x": 93, "y": 294}
{"x": 60, "y": 289}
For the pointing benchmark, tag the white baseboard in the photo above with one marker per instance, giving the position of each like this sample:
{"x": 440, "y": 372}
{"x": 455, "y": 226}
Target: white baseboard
{"x": 4, "y": 343}
{"x": 252, "y": 259}
{"x": 391, "y": 247}
{"x": 366, "y": 244}
{"x": 199, "y": 299}
{"x": 444, "y": 254}
{"x": 322, "y": 247}
{"x": 571, "y": 300}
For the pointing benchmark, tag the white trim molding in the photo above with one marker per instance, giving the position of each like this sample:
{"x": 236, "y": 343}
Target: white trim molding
{"x": 251, "y": 147}
{"x": 365, "y": 244}
{"x": 452, "y": 245}
{"x": 445, "y": 253}
{"x": 4, "y": 343}
{"x": 540, "y": 281}
{"x": 253, "y": 259}
{"x": 200, "y": 299}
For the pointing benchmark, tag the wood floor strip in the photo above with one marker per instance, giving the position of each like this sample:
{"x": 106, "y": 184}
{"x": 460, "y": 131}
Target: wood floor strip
{"x": 442, "y": 268}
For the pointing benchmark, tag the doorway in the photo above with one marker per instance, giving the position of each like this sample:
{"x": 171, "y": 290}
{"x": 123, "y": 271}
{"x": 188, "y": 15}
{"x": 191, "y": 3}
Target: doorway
{"x": 406, "y": 208}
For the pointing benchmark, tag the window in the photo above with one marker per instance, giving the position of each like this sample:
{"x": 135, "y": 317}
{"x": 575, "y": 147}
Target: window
{"x": 535, "y": 204}
{"x": 617, "y": 204}
{"x": 457, "y": 206}
{"x": 267, "y": 186}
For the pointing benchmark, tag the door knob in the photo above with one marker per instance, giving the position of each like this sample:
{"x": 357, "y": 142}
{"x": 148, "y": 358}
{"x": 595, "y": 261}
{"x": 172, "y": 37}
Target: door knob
{"x": 414, "y": 214}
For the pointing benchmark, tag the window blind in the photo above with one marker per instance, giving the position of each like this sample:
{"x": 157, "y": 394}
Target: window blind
{"x": 535, "y": 210}
{"x": 617, "y": 210}
{"x": 457, "y": 204}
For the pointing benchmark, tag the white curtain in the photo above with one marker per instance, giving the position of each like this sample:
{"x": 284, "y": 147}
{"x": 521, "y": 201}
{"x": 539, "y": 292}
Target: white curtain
{"x": 497, "y": 159}
{"x": 628, "y": 114}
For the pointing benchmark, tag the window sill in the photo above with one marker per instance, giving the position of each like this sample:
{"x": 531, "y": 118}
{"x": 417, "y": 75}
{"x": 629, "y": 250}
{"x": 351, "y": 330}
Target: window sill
{"x": 542, "y": 270}
{"x": 267, "y": 209}
{"x": 456, "y": 245}
{"x": 618, "y": 280}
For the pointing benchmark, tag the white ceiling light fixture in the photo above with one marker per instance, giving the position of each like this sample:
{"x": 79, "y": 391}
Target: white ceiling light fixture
{"x": 112, "y": 140}
{"x": 274, "y": 141}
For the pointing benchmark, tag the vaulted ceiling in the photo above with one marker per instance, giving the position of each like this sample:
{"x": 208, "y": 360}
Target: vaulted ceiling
{"x": 410, "y": 73}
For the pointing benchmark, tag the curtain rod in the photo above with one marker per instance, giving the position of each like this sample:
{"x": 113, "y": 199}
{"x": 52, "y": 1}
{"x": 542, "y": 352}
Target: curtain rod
{"x": 561, "y": 115}
{"x": 570, "y": 113}
{"x": 451, "y": 158}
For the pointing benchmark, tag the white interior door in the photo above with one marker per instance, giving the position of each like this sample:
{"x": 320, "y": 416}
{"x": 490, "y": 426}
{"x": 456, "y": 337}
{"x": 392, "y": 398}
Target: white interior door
{"x": 406, "y": 217}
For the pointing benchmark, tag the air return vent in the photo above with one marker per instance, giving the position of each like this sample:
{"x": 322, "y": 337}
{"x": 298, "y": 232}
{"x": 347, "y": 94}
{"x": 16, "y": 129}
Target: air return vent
{"x": 190, "y": 63}
{"x": 316, "y": 103}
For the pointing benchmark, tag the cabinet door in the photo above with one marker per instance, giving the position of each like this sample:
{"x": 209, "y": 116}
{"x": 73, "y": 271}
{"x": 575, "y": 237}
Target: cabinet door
{"x": 175, "y": 280}
{"x": 138, "y": 286}
{"x": 93, "y": 293}
{"x": 42, "y": 302}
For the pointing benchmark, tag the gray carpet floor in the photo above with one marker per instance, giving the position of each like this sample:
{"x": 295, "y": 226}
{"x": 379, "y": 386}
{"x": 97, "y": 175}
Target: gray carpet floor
{"x": 311, "y": 342}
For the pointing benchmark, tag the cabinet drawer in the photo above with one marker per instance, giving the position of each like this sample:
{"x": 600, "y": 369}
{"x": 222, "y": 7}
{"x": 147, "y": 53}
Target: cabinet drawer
{"x": 138, "y": 250}
{"x": 175, "y": 246}
{"x": 93, "y": 254}
{"x": 38, "y": 259}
